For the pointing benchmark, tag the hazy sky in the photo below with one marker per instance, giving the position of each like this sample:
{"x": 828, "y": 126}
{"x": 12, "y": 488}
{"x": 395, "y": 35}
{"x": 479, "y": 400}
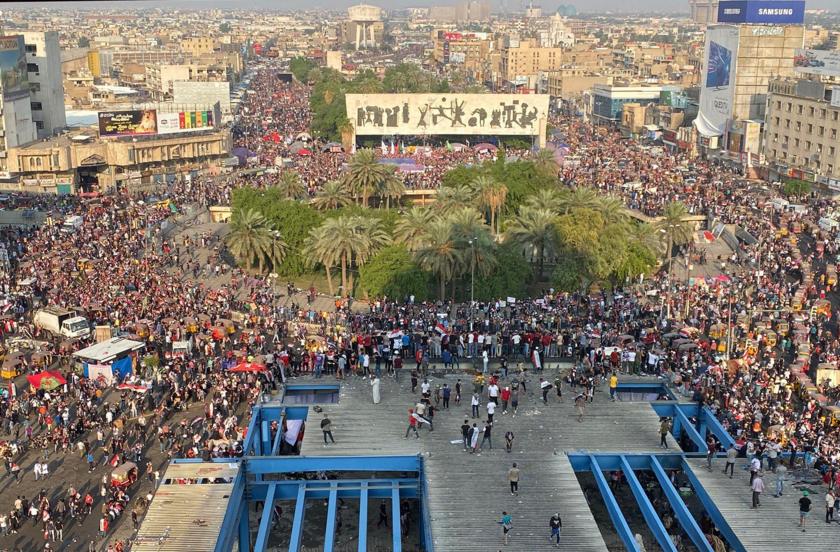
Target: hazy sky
{"x": 622, "y": 6}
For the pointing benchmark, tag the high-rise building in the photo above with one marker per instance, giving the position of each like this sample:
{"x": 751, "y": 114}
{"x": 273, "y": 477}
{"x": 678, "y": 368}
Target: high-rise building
{"x": 522, "y": 61}
{"x": 703, "y": 11}
{"x": 16, "y": 125}
{"x": 43, "y": 62}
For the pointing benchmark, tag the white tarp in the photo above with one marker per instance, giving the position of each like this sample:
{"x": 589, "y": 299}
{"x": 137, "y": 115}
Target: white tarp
{"x": 104, "y": 371}
{"x": 292, "y": 431}
{"x": 718, "y": 87}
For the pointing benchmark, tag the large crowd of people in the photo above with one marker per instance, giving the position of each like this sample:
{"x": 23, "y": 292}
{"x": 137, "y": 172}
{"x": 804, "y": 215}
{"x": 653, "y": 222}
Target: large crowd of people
{"x": 770, "y": 305}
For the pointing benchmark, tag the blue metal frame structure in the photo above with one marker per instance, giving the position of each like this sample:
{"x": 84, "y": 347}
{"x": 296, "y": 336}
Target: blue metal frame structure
{"x": 658, "y": 388}
{"x": 658, "y": 464}
{"x": 706, "y": 421}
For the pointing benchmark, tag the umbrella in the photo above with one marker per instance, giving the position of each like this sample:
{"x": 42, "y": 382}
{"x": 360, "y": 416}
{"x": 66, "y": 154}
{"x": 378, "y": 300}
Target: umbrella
{"x": 304, "y": 151}
{"x": 46, "y": 380}
{"x": 248, "y": 367}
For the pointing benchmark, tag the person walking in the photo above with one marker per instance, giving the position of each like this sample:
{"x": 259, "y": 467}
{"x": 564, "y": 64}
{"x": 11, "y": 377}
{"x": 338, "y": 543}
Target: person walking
{"x": 383, "y": 515}
{"x": 375, "y": 384}
{"x": 804, "y": 509}
{"x": 757, "y": 486}
{"x": 513, "y": 479}
{"x": 505, "y": 395}
{"x": 506, "y": 523}
{"x": 580, "y": 406}
{"x": 474, "y": 432}
{"x": 731, "y": 455}
{"x": 465, "y": 434}
{"x": 556, "y": 525}
{"x": 412, "y": 424}
{"x": 447, "y": 393}
{"x": 613, "y": 386}
{"x": 545, "y": 387}
{"x": 486, "y": 436}
{"x": 664, "y": 428}
{"x": 829, "y": 506}
{"x": 508, "y": 440}
{"x": 755, "y": 466}
{"x": 781, "y": 470}
{"x": 711, "y": 444}
{"x": 491, "y": 409}
{"x": 474, "y": 402}
{"x": 326, "y": 428}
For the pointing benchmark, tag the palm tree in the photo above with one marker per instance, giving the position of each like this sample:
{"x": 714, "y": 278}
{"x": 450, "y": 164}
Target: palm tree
{"x": 333, "y": 195}
{"x": 578, "y": 198}
{"x": 675, "y": 229}
{"x": 391, "y": 188}
{"x": 318, "y": 248}
{"x": 534, "y": 230}
{"x": 613, "y": 209}
{"x": 452, "y": 198}
{"x": 336, "y": 240}
{"x": 491, "y": 195}
{"x": 252, "y": 241}
{"x": 546, "y": 198}
{"x": 366, "y": 175}
{"x": 473, "y": 238}
{"x": 439, "y": 255}
{"x": 290, "y": 185}
{"x": 412, "y": 228}
{"x": 546, "y": 162}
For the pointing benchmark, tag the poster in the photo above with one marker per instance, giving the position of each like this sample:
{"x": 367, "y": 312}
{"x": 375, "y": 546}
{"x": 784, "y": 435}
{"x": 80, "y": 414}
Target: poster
{"x": 15, "y": 79}
{"x": 184, "y": 121}
{"x": 817, "y": 62}
{"x": 127, "y": 123}
{"x": 448, "y": 114}
{"x": 718, "y": 90}
{"x": 835, "y": 96}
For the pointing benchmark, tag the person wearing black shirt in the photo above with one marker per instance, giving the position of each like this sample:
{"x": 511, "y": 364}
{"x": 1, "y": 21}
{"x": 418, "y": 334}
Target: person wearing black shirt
{"x": 556, "y": 524}
{"x": 465, "y": 433}
{"x": 804, "y": 508}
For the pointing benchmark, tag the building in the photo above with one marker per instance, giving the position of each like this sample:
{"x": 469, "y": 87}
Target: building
{"x": 472, "y": 11}
{"x": 704, "y": 12}
{"x": 557, "y": 34}
{"x": 802, "y": 130}
{"x": 160, "y": 78}
{"x": 198, "y": 45}
{"x": 364, "y": 27}
{"x": 43, "y": 62}
{"x": 572, "y": 82}
{"x": 195, "y": 95}
{"x": 334, "y": 60}
{"x": 106, "y": 60}
{"x": 466, "y": 50}
{"x": 523, "y": 61}
{"x": 739, "y": 62}
{"x": 17, "y": 127}
{"x": 606, "y": 101}
{"x": 81, "y": 162}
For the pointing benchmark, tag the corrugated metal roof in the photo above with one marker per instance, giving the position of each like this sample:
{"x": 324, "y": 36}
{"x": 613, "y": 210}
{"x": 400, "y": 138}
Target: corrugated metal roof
{"x": 187, "y": 517}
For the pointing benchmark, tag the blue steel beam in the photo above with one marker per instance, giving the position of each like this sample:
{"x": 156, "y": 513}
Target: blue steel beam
{"x": 288, "y": 464}
{"x": 265, "y": 437}
{"x": 244, "y": 528}
{"x": 265, "y": 521}
{"x": 649, "y": 513}
{"x": 227, "y": 531}
{"x": 251, "y": 433}
{"x": 717, "y": 429}
{"x": 687, "y": 521}
{"x": 613, "y": 461}
{"x": 696, "y": 438}
{"x": 275, "y": 446}
{"x": 329, "y": 534}
{"x": 363, "y": 518}
{"x": 396, "y": 530}
{"x": 296, "y": 535}
{"x": 348, "y": 488}
{"x": 712, "y": 509}
{"x": 613, "y": 508}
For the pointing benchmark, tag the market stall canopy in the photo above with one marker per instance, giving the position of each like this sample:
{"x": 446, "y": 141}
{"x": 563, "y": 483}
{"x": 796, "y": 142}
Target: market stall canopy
{"x": 107, "y": 351}
{"x": 47, "y": 380}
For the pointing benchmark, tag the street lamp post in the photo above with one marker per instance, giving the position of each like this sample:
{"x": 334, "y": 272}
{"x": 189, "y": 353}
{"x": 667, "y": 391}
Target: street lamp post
{"x": 472, "y": 279}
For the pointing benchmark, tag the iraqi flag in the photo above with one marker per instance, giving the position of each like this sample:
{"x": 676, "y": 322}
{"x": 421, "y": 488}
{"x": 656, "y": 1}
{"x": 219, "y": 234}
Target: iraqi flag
{"x": 441, "y": 329}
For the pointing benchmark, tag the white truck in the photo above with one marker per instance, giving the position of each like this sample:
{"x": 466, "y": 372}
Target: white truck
{"x": 62, "y": 322}
{"x": 71, "y": 224}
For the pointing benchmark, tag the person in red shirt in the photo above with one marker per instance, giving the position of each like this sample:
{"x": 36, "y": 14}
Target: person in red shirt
{"x": 505, "y": 396}
{"x": 412, "y": 424}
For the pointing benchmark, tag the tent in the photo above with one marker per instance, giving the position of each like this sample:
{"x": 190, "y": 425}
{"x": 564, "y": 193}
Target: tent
{"x": 46, "y": 380}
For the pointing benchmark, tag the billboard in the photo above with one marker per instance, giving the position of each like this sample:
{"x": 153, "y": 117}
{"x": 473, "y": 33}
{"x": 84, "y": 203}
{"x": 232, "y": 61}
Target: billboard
{"x": 718, "y": 90}
{"x": 128, "y": 123}
{"x": 455, "y": 114}
{"x": 791, "y": 12}
{"x": 835, "y": 96}
{"x": 13, "y": 75}
{"x": 184, "y": 121}
{"x": 817, "y": 62}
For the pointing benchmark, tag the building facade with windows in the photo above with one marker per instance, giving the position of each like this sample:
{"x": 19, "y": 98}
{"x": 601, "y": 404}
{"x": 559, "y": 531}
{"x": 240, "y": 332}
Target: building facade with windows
{"x": 802, "y": 130}
{"x": 43, "y": 60}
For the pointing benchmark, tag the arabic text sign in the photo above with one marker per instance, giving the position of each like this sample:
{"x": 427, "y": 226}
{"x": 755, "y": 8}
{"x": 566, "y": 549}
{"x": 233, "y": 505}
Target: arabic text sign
{"x": 463, "y": 114}
{"x": 817, "y": 62}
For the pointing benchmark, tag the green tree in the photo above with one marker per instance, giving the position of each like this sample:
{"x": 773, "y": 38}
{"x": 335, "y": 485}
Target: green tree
{"x": 547, "y": 198}
{"x": 392, "y": 272}
{"x": 300, "y": 67}
{"x": 84, "y": 42}
{"x": 224, "y": 27}
{"x": 491, "y": 197}
{"x": 333, "y": 195}
{"x": 534, "y": 231}
{"x": 675, "y": 229}
{"x": 439, "y": 254}
{"x": 509, "y": 279}
{"x": 318, "y": 249}
{"x": 450, "y": 199}
{"x": 366, "y": 176}
{"x": 579, "y": 198}
{"x": 412, "y": 228}
{"x": 546, "y": 163}
{"x": 474, "y": 240}
{"x": 794, "y": 187}
{"x": 290, "y": 186}
{"x": 252, "y": 241}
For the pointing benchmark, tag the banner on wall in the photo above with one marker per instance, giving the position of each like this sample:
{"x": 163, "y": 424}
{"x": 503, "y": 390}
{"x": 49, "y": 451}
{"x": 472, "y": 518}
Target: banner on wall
{"x": 718, "y": 89}
{"x": 817, "y": 62}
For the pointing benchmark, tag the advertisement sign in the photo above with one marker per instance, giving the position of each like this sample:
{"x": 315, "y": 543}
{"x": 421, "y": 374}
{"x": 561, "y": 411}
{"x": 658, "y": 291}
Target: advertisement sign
{"x": 462, "y": 114}
{"x": 717, "y": 92}
{"x": 790, "y": 12}
{"x": 15, "y": 80}
{"x": 457, "y": 57}
{"x": 127, "y": 123}
{"x": 184, "y": 121}
{"x": 817, "y": 62}
{"x": 835, "y": 96}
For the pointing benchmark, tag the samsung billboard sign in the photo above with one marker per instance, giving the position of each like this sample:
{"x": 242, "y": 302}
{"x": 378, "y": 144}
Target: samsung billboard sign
{"x": 761, "y": 11}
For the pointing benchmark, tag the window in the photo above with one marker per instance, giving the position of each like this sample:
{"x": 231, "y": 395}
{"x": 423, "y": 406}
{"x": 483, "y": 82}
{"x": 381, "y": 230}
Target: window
{"x": 787, "y": 107}
{"x": 799, "y": 109}
{"x": 822, "y": 113}
{"x": 821, "y": 131}
{"x": 796, "y": 142}
{"x": 787, "y": 123}
{"x": 811, "y": 111}
{"x": 34, "y": 86}
{"x": 37, "y": 106}
{"x": 810, "y": 128}
{"x": 777, "y": 121}
{"x": 778, "y": 104}
{"x": 829, "y": 168}
{"x": 31, "y": 49}
{"x": 39, "y": 125}
{"x": 808, "y": 145}
{"x": 831, "y": 150}
{"x": 32, "y": 68}
{"x": 798, "y": 125}
{"x": 833, "y": 133}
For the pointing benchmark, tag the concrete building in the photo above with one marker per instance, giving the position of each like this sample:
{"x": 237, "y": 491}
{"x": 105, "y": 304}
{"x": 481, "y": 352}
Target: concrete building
{"x": 334, "y": 60}
{"x": 522, "y": 61}
{"x": 17, "y": 127}
{"x": 802, "y": 130}
{"x": 198, "y": 45}
{"x": 572, "y": 82}
{"x": 80, "y": 162}
{"x": 43, "y": 61}
{"x": 472, "y": 11}
{"x": 195, "y": 95}
{"x": 468, "y": 51}
{"x": 364, "y": 27}
{"x": 703, "y": 11}
{"x": 557, "y": 34}
{"x": 108, "y": 59}
{"x": 160, "y": 78}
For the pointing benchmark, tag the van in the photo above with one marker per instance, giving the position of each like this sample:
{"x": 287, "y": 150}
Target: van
{"x": 827, "y": 224}
{"x": 72, "y": 223}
